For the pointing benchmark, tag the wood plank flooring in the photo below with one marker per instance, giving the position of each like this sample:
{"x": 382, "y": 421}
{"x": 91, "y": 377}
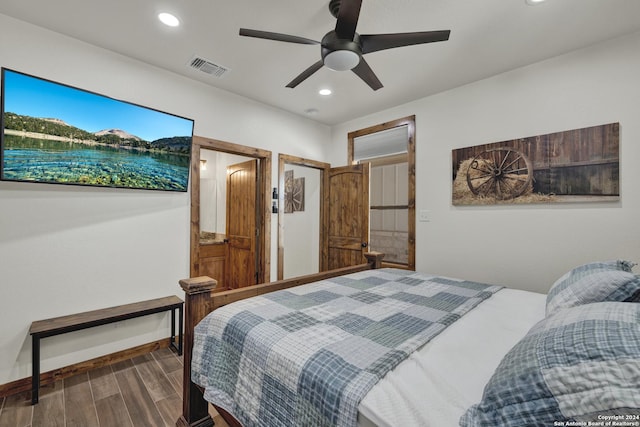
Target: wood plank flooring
{"x": 139, "y": 392}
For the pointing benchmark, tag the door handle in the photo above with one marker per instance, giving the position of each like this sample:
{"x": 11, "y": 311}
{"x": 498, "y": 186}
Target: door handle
{"x": 364, "y": 244}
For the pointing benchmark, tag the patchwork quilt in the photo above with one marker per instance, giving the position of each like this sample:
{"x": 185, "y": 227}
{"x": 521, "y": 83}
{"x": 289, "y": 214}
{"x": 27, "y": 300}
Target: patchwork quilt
{"x": 308, "y": 355}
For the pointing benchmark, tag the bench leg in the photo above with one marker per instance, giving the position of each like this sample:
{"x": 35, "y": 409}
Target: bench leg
{"x": 180, "y": 328}
{"x": 172, "y": 340}
{"x": 173, "y": 343}
{"x": 35, "y": 368}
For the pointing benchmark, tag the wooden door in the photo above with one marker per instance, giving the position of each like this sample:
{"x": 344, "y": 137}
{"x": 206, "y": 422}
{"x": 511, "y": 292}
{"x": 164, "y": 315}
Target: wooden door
{"x": 242, "y": 194}
{"x": 213, "y": 263}
{"x": 348, "y": 217}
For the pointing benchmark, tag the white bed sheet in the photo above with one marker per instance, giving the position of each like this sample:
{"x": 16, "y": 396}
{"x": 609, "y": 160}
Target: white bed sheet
{"x": 440, "y": 381}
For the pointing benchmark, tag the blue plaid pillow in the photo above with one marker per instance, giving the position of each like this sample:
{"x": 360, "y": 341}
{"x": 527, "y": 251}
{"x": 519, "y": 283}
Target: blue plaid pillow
{"x": 579, "y": 364}
{"x": 594, "y": 282}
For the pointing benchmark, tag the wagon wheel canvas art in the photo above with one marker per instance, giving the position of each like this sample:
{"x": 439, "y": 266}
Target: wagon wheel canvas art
{"x": 578, "y": 165}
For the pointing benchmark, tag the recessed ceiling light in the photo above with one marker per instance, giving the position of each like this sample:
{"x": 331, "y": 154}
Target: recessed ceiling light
{"x": 533, "y": 2}
{"x": 325, "y": 92}
{"x": 168, "y": 19}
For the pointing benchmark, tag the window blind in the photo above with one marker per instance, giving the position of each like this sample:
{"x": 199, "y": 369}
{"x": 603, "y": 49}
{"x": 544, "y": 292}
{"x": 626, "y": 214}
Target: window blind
{"x": 385, "y": 143}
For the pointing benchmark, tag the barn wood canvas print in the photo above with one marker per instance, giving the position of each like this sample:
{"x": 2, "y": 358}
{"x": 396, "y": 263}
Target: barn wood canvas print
{"x": 580, "y": 165}
{"x": 54, "y": 133}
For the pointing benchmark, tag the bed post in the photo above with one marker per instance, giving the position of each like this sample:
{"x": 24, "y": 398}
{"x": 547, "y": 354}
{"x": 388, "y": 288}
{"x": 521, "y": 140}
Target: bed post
{"x": 374, "y": 258}
{"x": 195, "y": 410}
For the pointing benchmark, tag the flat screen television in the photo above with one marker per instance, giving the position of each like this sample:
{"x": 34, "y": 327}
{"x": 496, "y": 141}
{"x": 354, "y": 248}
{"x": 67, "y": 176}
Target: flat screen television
{"x": 55, "y": 133}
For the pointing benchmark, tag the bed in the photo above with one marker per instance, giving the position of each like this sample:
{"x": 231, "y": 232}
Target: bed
{"x": 329, "y": 349}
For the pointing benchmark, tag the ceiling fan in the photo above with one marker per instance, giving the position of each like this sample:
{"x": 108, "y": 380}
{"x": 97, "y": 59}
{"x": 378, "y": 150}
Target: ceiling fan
{"x": 342, "y": 48}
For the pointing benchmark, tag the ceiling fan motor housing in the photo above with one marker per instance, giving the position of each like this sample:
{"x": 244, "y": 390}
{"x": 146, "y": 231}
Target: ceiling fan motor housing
{"x": 340, "y": 54}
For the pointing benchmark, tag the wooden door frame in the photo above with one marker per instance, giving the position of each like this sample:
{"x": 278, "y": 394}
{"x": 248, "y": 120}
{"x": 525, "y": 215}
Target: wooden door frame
{"x": 285, "y": 159}
{"x": 410, "y": 122}
{"x": 264, "y": 196}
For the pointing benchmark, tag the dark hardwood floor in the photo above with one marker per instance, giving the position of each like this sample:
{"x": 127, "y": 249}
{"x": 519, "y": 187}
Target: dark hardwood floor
{"x": 144, "y": 391}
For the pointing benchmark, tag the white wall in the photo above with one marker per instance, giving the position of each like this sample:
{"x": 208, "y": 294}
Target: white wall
{"x": 213, "y": 189}
{"x": 302, "y": 228}
{"x": 71, "y": 249}
{"x": 209, "y": 188}
{"x": 523, "y": 246}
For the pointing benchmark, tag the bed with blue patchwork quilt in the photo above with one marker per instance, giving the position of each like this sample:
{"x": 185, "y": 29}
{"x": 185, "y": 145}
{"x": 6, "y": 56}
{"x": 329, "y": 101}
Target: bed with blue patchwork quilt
{"x": 307, "y": 356}
{"x": 398, "y": 348}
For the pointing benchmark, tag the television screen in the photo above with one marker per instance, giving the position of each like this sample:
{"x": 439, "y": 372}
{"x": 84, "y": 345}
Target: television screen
{"x": 54, "y": 133}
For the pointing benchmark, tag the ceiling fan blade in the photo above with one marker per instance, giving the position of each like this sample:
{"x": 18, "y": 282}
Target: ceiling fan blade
{"x": 275, "y": 36}
{"x": 348, "y": 18}
{"x": 376, "y": 42}
{"x": 305, "y": 74}
{"x": 366, "y": 73}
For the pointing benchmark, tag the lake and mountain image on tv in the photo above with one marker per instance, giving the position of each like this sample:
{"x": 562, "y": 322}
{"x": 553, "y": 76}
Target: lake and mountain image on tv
{"x": 53, "y": 133}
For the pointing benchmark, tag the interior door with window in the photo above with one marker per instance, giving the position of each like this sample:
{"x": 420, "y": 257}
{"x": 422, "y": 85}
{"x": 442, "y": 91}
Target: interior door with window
{"x": 241, "y": 231}
{"x": 390, "y": 149}
{"x": 348, "y": 218}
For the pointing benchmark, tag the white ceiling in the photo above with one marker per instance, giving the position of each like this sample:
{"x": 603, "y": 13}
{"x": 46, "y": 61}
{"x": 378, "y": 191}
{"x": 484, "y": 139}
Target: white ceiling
{"x": 487, "y": 37}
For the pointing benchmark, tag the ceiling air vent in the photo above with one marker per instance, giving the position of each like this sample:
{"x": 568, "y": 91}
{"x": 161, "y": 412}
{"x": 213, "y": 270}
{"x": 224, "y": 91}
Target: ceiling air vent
{"x": 208, "y": 67}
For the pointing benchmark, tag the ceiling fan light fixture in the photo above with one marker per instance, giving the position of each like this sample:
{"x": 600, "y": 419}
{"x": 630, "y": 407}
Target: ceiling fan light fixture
{"x": 341, "y": 60}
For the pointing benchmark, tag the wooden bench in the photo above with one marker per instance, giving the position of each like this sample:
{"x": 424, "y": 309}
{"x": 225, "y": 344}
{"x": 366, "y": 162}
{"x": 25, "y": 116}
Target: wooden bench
{"x": 75, "y": 322}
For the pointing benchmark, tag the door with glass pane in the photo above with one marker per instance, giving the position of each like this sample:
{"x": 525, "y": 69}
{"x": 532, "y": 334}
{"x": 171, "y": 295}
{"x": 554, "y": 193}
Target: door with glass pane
{"x": 390, "y": 150}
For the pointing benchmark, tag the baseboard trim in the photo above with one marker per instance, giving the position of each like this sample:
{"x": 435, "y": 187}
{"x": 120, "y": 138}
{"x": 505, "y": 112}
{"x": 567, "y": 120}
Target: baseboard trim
{"x": 24, "y": 384}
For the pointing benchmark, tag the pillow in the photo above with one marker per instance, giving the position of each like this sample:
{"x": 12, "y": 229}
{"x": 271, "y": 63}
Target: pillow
{"x": 581, "y": 364}
{"x": 594, "y": 282}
